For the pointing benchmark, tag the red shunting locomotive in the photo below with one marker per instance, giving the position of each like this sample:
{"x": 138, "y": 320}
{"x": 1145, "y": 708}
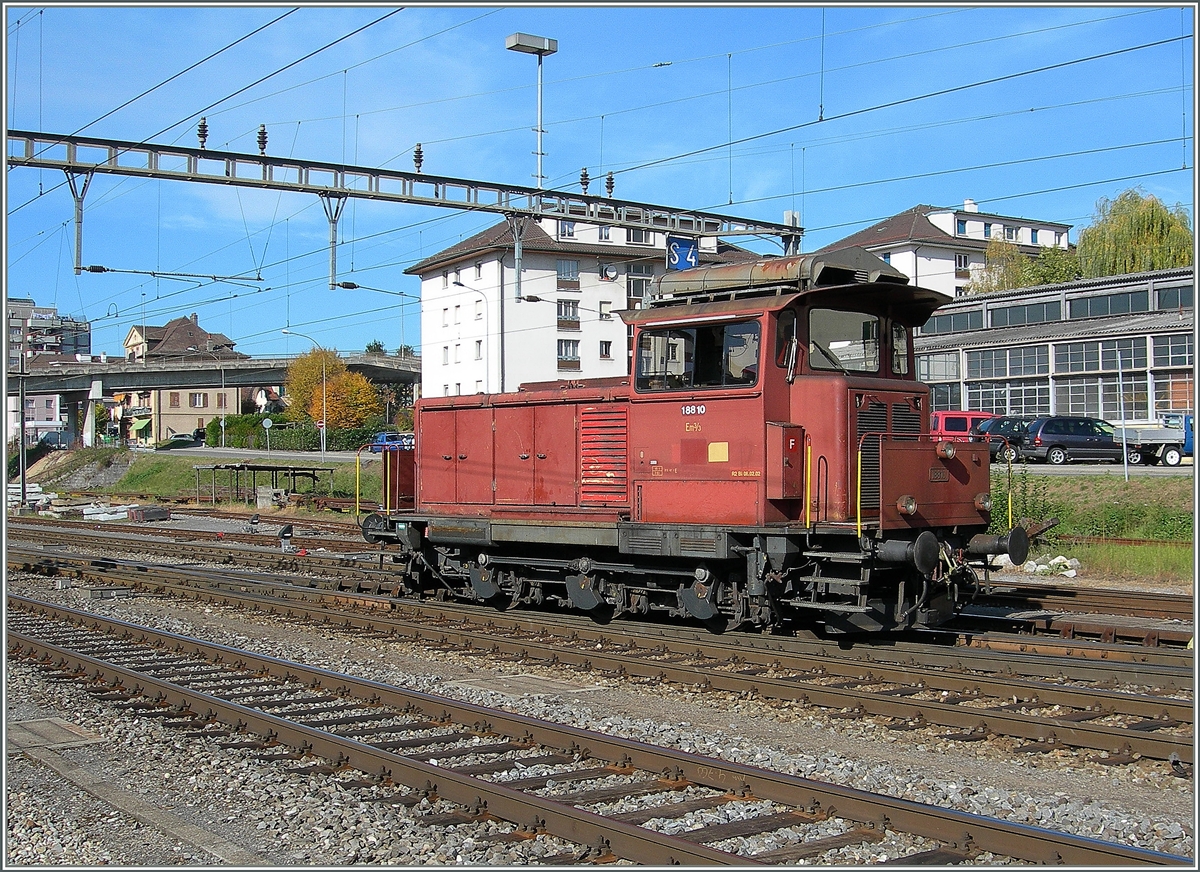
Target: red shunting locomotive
{"x": 767, "y": 464}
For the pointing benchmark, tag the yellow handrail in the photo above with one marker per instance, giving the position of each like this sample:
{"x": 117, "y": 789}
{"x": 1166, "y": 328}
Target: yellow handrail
{"x": 807, "y": 480}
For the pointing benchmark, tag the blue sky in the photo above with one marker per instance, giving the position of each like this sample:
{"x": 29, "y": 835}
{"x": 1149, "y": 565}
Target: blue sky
{"x": 848, "y": 114}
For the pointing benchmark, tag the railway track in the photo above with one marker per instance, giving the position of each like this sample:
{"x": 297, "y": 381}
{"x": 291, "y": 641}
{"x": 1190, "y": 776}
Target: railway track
{"x": 1070, "y": 613}
{"x": 976, "y": 693}
{"x": 543, "y": 778}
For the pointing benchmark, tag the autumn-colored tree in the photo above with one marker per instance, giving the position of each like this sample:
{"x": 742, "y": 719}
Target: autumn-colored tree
{"x": 351, "y": 400}
{"x": 1135, "y": 232}
{"x": 304, "y": 378}
{"x": 404, "y": 420}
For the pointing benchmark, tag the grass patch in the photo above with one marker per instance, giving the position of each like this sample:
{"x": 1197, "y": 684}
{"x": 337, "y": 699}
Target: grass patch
{"x": 1170, "y": 565}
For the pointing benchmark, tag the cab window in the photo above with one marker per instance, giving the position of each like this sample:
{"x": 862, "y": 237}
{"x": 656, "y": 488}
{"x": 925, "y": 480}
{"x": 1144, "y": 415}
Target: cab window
{"x": 843, "y": 341}
{"x": 709, "y": 355}
{"x": 899, "y": 349}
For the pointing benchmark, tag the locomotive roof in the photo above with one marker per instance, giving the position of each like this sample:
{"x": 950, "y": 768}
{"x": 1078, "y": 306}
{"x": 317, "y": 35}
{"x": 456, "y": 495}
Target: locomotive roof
{"x": 850, "y": 278}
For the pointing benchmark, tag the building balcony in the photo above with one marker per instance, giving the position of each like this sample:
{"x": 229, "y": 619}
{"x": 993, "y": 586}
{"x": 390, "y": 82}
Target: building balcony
{"x": 568, "y": 284}
{"x": 568, "y": 323}
{"x": 962, "y": 273}
{"x": 571, "y": 365}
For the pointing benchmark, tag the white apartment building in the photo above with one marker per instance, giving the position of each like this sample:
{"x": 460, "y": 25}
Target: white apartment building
{"x": 943, "y": 249}
{"x": 482, "y": 332}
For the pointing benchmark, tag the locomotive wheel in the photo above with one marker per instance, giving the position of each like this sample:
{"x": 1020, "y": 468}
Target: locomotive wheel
{"x": 1056, "y": 455}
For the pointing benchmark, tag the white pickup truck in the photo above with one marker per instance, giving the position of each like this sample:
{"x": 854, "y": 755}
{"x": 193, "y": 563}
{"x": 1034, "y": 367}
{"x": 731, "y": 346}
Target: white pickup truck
{"x": 1169, "y": 443}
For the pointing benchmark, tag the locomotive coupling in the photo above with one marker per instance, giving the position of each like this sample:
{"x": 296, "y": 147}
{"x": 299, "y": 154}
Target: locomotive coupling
{"x": 1015, "y": 544}
{"x": 922, "y": 553}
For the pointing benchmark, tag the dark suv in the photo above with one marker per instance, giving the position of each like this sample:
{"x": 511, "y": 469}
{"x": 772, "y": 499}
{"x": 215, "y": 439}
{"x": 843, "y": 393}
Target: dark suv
{"x": 1057, "y": 439}
{"x": 995, "y": 431}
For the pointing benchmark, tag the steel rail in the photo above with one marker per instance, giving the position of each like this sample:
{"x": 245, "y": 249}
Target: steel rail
{"x": 579, "y": 826}
{"x": 1057, "y": 731}
{"x": 1004, "y": 653}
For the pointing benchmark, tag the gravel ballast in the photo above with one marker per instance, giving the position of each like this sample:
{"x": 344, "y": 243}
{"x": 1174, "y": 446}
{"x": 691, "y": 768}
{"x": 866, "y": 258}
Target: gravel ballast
{"x": 292, "y": 819}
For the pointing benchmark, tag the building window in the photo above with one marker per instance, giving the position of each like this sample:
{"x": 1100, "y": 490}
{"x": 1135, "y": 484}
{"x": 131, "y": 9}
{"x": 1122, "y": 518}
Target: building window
{"x": 568, "y": 274}
{"x": 568, "y": 315}
{"x": 446, "y": 279}
{"x": 446, "y": 317}
{"x": 1011, "y": 234}
{"x": 640, "y": 276}
{"x": 640, "y": 237}
{"x": 605, "y": 233}
{"x": 945, "y": 397}
{"x": 445, "y": 354}
{"x": 1033, "y": 236}
{"x": 479, "y": 270}
{"x": 987, "y": 397}
{"x": 479, "y": 310}
{"x": 458, "y": 389}
{"x": 605, "y": 310}
{"x": 1175, "y": 298}
{"x": 49, "y": 405}
{"x": 955, "y": 322}
{"x": 1076, "y": 357}
{"x": 457, "y": 352}
{"x": 987, "y": 230}
{"x": 445, "y": 390}
{"x": 568, "y": 354}
{"x": 566, "y": 229}
{"x": 960, "y": 227}
{"x": 220, "y": 401}
{"x": 478, "y": 386}
{"x": 887, "y": 257}
{"x": 992, "y": 363}
{"x": 198, "y": 400}
{"x": 962, "y": 266}
{"x": 1032, "y": 360}
{"x": 1123, "y": 354}
{"x": 938, "y": 367}
{"x": 173, "y": 400}
{"x": 1110, "y": 304}
{"x": 605, "y": 350}
{"x": 1175, "y": 350}
{"x": 456, "y": 313}
{"x": 1172, "y": 392}
{"x": 479, "y": 349}
{"x": 1034, "y": 313}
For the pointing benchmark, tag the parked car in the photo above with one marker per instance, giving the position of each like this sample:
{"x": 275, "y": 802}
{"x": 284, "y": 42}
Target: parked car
{"x": 391, "y": 440}
{"x": 200, "y": 434}
{"x": 57, "y": 440}
{"x": 955, "y": 426}
{"x": 1059, "y": 438}
{"x": 176, "y": 440}
{"x": 1004, "y": 436}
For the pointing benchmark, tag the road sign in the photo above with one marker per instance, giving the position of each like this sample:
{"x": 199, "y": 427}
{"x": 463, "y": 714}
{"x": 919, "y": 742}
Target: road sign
{"x": 320, "y": 425}
{"x": 682, "y": 253}
{"x": 267, "y": 423}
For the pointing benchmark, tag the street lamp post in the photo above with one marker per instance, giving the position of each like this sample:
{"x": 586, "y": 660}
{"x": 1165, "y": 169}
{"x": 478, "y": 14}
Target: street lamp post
{"x": 324, "y": 419}
{"x": 540, "y": 46}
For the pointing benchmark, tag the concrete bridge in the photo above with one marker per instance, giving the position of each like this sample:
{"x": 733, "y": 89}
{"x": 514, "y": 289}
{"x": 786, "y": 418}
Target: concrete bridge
{"x": 80, "y": 384}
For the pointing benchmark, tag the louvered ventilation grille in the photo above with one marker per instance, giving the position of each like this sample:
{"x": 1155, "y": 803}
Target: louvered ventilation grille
{"x": 872, "y": 419}
{"x": 603, "y": 456}
{"x": 905, "y": 419}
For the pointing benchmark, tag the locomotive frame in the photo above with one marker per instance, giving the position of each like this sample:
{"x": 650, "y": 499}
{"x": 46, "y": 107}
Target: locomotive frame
{"x": 766, "y": 463}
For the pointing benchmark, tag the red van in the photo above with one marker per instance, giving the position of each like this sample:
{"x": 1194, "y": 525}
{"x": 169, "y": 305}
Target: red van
{"x": 955, "y": 426}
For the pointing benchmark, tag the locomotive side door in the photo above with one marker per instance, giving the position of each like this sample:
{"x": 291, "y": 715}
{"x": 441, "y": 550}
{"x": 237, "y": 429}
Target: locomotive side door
{"x": 514, "y": 455}
{"x": 473, "y": 443}
{"x": 435, "y": 457}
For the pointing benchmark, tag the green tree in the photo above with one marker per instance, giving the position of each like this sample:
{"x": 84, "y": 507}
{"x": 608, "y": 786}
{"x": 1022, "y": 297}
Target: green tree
{"x": 406, "y": 351}
{"x": 375, "y": 347}
{"x": 1053, "y": 266}
{"x": 1005, "y": 268}
{"x": 1135, "y": 232}
{"x": 304, "y": 380}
